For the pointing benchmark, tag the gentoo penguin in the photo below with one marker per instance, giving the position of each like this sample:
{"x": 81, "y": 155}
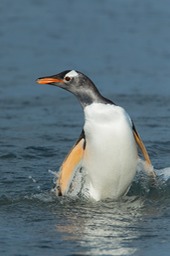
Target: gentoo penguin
{"x": 106, "y": 151}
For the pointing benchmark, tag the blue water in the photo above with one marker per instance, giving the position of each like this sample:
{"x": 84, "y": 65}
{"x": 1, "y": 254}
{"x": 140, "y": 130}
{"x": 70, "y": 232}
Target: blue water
{"x": 124, "y": 47}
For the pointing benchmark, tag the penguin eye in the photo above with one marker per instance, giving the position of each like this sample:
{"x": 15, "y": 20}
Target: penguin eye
{"x": 67, "y": 78}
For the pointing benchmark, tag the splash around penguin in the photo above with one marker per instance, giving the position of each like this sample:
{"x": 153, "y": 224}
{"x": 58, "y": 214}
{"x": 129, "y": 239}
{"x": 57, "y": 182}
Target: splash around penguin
{"x": 107, "y": 150}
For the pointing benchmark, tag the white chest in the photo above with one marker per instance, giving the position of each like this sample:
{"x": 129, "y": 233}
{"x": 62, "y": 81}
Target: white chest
{"x": 111, "y": 155}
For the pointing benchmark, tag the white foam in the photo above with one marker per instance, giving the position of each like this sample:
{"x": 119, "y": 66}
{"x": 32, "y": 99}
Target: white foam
{"x": 165, "y": 173}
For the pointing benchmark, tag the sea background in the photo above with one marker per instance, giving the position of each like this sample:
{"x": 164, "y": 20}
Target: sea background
{"x": 124, "y": 47}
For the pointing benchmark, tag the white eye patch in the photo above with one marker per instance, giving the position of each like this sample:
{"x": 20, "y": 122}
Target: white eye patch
{"x": 72, "y": 73}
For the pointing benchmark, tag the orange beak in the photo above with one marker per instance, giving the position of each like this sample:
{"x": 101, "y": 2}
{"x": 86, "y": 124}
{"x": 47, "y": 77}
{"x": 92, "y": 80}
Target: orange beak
{"x": 48, "y": 80}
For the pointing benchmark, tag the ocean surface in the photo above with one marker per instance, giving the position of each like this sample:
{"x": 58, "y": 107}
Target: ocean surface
{"x": 124, "y": 47}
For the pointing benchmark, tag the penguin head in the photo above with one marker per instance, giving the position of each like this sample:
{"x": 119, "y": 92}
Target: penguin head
{"x": 68, "y": 80}
{"x": 75, "y": 82}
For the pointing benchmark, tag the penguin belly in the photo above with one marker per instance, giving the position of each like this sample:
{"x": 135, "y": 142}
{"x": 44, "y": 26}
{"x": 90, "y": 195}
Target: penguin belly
{"x": 110, "y": 158}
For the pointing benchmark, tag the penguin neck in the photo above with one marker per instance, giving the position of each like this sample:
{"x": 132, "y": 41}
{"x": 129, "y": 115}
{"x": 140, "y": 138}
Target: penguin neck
{"x": 89, "y": 97}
